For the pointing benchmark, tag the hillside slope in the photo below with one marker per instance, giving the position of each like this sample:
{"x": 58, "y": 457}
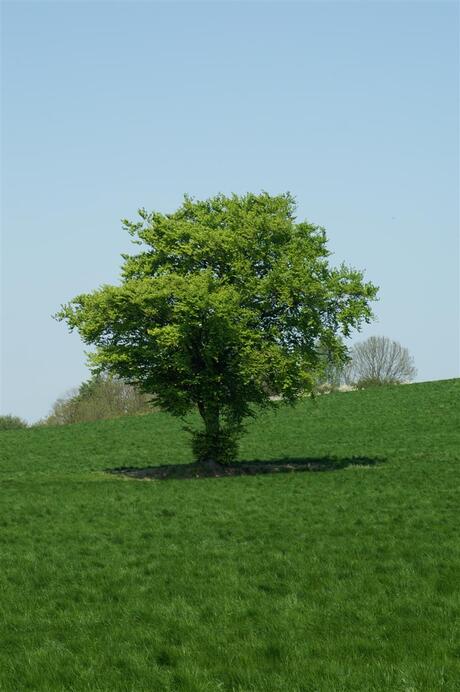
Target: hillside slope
{"x": 346, "y": 580}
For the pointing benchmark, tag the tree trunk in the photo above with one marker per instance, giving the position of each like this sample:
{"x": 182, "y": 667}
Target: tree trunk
{"x": 212, "y": 434}
{"x": 214, "y": 445}
{"x": 207, "y": 444}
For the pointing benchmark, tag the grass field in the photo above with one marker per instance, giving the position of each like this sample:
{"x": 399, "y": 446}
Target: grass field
{"x": 346, "y": 580}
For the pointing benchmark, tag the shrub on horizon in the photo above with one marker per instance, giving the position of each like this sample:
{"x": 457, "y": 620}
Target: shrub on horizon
{"x": 99, "y": 398}
{"x": 9, "y": 422}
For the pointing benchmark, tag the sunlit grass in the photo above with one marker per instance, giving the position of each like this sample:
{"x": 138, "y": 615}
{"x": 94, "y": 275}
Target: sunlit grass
{"x": 339, "y": 581}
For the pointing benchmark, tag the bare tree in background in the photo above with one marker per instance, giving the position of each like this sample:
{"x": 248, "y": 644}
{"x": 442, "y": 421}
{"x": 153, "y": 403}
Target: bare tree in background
{"x": 379, "y": 360}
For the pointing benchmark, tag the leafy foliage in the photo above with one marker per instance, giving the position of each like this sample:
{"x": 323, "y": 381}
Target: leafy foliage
{"x": 229, "y": 302}
{"x": 102, "y": 396}
{"x": 10, "y": 422}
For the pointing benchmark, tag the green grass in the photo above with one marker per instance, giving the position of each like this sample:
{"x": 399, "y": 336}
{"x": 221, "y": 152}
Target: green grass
{"x": 339, "y": 581}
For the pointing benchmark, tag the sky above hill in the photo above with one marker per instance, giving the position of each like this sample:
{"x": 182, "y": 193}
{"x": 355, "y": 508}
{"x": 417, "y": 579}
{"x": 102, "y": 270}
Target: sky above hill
{"x": 112, "y": 106}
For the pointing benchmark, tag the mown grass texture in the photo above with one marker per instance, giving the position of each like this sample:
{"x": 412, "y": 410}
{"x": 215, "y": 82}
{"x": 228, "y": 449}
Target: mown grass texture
{"x": 320, "y": 581}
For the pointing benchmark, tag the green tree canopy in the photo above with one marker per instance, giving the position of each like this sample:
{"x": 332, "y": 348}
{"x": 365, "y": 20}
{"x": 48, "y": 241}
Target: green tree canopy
{"x": 228, "y": 302}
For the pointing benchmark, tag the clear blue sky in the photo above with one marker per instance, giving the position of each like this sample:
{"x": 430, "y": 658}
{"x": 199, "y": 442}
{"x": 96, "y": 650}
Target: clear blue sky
{"x": 110, "y": 106}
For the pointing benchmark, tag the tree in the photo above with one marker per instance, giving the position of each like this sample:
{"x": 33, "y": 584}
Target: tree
{"x": 10, "y": 422}
{"x": 378, "y": 360}
{"x": 102, "y": 396}
{"x": 228, "y": 302}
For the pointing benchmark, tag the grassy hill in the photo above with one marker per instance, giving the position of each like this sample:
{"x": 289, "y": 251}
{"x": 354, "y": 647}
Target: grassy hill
{"x": 324, "y": 581}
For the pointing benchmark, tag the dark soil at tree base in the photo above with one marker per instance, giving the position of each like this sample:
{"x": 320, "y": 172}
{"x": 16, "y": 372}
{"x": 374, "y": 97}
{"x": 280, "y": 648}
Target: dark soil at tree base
{"x": 246, "y": 468}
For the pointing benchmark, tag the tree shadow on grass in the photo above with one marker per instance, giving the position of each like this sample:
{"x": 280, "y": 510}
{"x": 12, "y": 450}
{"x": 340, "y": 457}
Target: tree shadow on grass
{"x": 245, "y": 468}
